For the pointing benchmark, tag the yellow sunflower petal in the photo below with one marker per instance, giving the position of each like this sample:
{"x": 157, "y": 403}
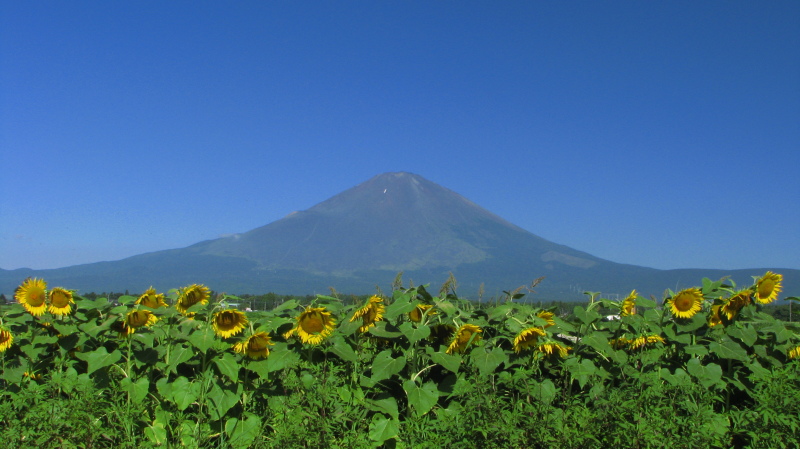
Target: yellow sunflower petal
{"x": 686, "y": 303}
{"x": 60, "y": 301}
{"x": 32, "y": 294}
{"x": 191, "y": 295}
{"x": 420, "y": 312}
{"x": 151, "y": 299}
{"x": 6, "y": 339}
{"x": 768, "y": 287}
{"x": 256, "y": 346}
{"x": 314, "y": 325}
{"x": 227, "y": 323}
{"x": 139, "y": 318}
{"x": 628, "y": 306}
{"x": 528, "y": 338}
{"x": 370, "y": 314}
{"x": 463, "y": 336}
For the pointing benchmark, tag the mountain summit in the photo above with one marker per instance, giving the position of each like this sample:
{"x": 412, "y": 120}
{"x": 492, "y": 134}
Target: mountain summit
{"x": 363, "y": 236}
{"x": 395, "y": 222}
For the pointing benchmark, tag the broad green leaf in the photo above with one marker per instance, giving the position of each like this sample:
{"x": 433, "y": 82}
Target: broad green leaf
{"x": 202, "y": 339}
{"x": 223, "y": 398}
{"x": 343, "y": 350}
{"x": 679, "y": 378}
{"x": 184, "y": 392}
{"x": 708, "y": 375}
{"x": 582, "y": 370}
{"x": 728, "y": 349}
{"x": 692, "y": 324}
{"x": 384, "y": 366}
{"x": 746, "y": 334}
{"x": 421, "y": 399}
{"x": 382, "y": 429}
{"x": 414, "y": 333}
{"x": 400, "y": 306}
{"x": 286, "y": 305}
{"x": 385, "y": 330}
{"x": 587, "y": 317}
{"x": 779, "y": 329}
{"x": 138, "y": 390}
{"x": 487, "y": 361}
{"x": 698, "y": 351}
{"x": 227, "y": 365}
{"x": 451, "y": 362}
{"x": 544, "y": 391}
{"x": 179, "y": 354}
{"x": 598, "y": 342}
{"x": 99, "y": 358}
{"x": 242, "y": 433}
{"x": 385, "y": 403}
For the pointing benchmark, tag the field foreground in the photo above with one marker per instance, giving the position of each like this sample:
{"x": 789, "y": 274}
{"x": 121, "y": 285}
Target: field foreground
{"x": 704, "y": 367}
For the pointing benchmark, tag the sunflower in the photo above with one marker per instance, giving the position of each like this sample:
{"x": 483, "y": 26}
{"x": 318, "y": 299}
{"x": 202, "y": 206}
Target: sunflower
{"x": 371, "y": 313}
{"x": 227, "y": 323}
{"x": 60, "y": 301}
{"x": 419, "y": 312}
{"x": 139, "y": 318}
{"x": 619, "y": 343}
{"x": 313, "y": 325}
{"x": 32, "y": 295}
{"x": 551, "y": 348}
{"x": 256, "y": 346}
{"x": 191, "y": 295}
{"x": 6, "y": 339}
{"x": 122, "y": 329}
{"x": 715, "y": 319}
{"x": 735, "y": 303}
{"x": 151, "y": 299}
{"x": 547, "y": 316}
{"x": 794, "y": 353}
{"x": 527, "y": 338}
{"x": 463, "y": 336}
{"x": 768, "y": 287}
{"x": 36, "y": 376}
{"x": 686, "y": 303}
{"x": 441, "y": 333}
{"x": 645, "y": 340}
{"x": 628, "y": 306}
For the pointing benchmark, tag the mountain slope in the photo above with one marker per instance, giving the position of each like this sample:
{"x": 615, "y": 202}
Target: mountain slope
{"x": 363, "y": 237}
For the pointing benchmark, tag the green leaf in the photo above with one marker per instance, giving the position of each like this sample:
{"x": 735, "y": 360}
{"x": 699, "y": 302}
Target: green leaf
{"x": 385, "y": 403}
{"x": 223, "y": 398}
{"x": 242, "y": 433}
{"x": 692, "y": 324}
{"x": 421, "y": 399}
{"x": 746, "y": 334}
{"x": 400, "y": 306}
{"x": 708, "y": 375}
{"x": 184, "y": 392}
{"x": 99, "y": 358}
{"x": 202, "y": 339}
{"x": 587, "y": 317}
{"x": 415, "y": 333}
{"x": 728, "y": 349}
{"x": 179, "y": 354}
{"x": 384, "y": 366}
{"x": 382, "y": 429}
{"x": 385, "y": 330}
{"x": 227, "y": 365}
{"x": 545, "y": 391}
{"x": 138, "y": 390}
{"x": 451, "y": 362}
{"x": 343, "y": 350}
{"x": 487, "y": 362}
{"x": 582, "y": 370}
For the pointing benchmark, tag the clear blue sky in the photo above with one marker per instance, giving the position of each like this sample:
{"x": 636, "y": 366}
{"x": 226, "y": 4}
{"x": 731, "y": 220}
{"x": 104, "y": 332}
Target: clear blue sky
{"x": 663, "y": 134}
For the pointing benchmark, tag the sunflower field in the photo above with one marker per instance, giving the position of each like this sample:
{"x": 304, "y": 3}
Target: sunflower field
{"x": 702, "y": 367}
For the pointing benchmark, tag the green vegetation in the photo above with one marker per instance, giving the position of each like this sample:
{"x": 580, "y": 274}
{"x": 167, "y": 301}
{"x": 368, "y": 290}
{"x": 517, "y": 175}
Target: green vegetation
{"x": 706, "y": 368}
